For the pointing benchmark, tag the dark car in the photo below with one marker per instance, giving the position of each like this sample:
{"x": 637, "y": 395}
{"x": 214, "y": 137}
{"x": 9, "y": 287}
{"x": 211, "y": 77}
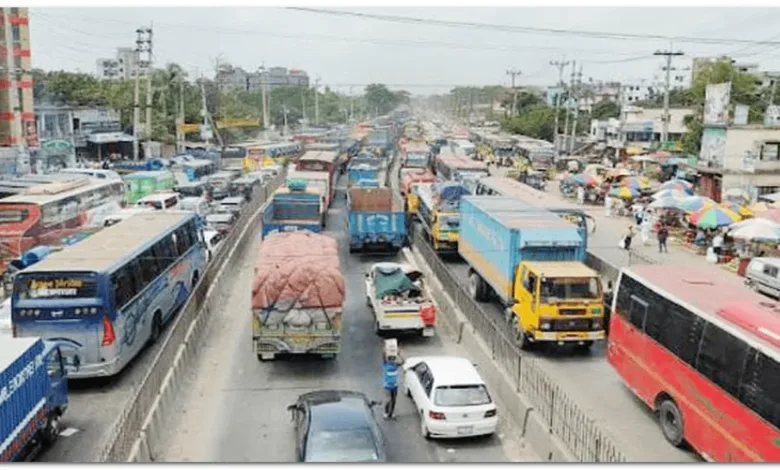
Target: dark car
{"x": 336, "y": 426}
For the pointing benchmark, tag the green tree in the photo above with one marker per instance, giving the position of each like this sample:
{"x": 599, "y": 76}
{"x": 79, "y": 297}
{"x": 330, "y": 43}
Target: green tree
{"x": 604, "y": 110}
{"x": 381, "y": 99}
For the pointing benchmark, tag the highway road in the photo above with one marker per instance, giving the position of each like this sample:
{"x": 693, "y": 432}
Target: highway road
{"x": 590, "y": 381}
{"x": 235, "y": 408}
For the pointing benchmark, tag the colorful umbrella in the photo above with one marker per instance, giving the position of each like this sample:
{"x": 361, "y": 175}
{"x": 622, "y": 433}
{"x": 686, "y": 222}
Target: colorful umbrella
{"x": 635, "y": 182}
{"x": 738, "y": 208}
{"x": 669, "y": 193}
{"x": 695, "y": 203}
{"x": 665, "y": 203}
{"x": 771, "y": 214}
{"x": 624, "y": 192}
{"x": 678, "y": 185}
{"x": 748, "y": 222}
{"x": 714, "y": 217}
{"x": 585, "y": 180}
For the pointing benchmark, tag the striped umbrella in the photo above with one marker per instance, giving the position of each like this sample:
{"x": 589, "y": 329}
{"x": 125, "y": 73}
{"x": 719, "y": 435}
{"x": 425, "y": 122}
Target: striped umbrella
{"x": 678, "y": 185}
{"x": 694, "y": 203}
{"x": 714, "y": 217}
{"x": 624, "y": 192}
{"x": 669, "y": 193}
{"x": 635, "y": 182}
{"x": 738, "y": 208}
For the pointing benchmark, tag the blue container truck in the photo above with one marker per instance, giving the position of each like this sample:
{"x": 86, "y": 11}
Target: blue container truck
{"x": 532, "y": 261}
{"x": 33, "y": 396}
{"x": 294, "y": 208}
{"x": 376, "y": 219}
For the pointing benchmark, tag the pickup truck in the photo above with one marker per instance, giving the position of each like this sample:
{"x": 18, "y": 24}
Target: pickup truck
{"x": 33, "y": 396}
{"x": 397, "y": 296}
{"x": 532, "y": 261}
{"x": 376, "y": 218}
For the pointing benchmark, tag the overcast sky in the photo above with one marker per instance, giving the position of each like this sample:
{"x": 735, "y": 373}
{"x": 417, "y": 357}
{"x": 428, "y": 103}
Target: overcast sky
{"x": 422, "y": 58}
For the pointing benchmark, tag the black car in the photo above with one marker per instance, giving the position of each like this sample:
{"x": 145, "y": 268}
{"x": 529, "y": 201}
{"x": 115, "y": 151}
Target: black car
{"x": 336, "y": 426}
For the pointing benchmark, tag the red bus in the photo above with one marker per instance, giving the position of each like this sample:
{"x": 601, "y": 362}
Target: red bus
{"x": 45, "y": 214}
{"x": 703, "y": 352}
{"x": 315, "y": 160}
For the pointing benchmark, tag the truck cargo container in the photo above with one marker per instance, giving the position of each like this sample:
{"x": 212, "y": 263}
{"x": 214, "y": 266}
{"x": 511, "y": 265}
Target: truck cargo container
{"x": 33, "y": 396}
{"x": 376, "y": 218}
{"x": 315, "y": 180}
{"x": 532, "y": 261}
{"x": 294, "y": 208}
{"x": 297, "y": 296}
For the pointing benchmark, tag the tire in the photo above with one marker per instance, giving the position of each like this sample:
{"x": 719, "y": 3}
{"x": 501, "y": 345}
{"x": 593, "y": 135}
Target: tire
{"x": 671, "y": 420}
{"x": 476, "y": 288}
{"x": 195, "y": 279}
{"x": 156, "y": 327}
{"x": 521, "y": 337}
{"x": 378, "y": 331}
{"x": 51, "y": 432}
{"x": 423, "y": 428}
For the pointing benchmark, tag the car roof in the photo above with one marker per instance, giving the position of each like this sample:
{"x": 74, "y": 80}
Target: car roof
{"x": 337, "y": 409}
{"x": 452, "y": 370}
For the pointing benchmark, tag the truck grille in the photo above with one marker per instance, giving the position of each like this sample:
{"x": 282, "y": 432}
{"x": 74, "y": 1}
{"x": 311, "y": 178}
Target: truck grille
{"x": 573, "y": 311}
{"x": 575, "y": 324}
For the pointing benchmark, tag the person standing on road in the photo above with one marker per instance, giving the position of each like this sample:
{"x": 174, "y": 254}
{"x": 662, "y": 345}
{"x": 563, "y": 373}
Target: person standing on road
{"x": 717, "y": 244}
{"x": 663, "y": 234}
{"x": 629, "y": 236}
{"x": 391, "y": 368}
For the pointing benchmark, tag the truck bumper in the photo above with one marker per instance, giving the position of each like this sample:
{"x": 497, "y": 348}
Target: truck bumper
{"x": 268, "y": 347}
{"x": 568, "y": 336}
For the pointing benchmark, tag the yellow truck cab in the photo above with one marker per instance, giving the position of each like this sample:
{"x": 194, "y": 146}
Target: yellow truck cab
{"x": 439, "y": 215}
{"x": 532, "y": 261}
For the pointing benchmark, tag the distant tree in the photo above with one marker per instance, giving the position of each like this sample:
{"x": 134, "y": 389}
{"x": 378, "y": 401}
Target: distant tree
{"x": 604, "y": 110}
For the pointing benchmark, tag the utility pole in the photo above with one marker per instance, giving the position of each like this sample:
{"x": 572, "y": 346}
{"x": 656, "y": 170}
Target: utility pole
{"x": 513, "y": 73}
{"x": 264, "y": 84}
{"x": 560, "y": 64}
{"x": 204, "y": 112}
{"x": 668, "y": 54}
{"x": 568, "y": 104}
{"x": 304, "y": 90}
{"x": 351, "y": 105}
{"x": 139, "y": 42}
{"x": 148, "y": 68}
{"x": 180, "y": 118}
{"x": 577, "y": 91}
{"x": 12, "y": 74}
{"x": 317, "y": 102}
{"x": 772, "y": 93}
{"x": 284, "y": 109}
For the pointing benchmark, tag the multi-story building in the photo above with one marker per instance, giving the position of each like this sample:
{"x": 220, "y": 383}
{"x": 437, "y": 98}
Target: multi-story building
{"x": 296, "y": 77}
{"x": 67, "y": 131}
{"x": 632, "y": 92}
{"x": 16, "y": 85}
{"x": 237, "y": 79}
{"x": 121, "y": 67}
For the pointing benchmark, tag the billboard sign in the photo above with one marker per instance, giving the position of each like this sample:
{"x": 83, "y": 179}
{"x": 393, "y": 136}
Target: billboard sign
{"x": 741, "y": 112}
{"x": 713, "y": 146}
{"x": 716, "y": 104}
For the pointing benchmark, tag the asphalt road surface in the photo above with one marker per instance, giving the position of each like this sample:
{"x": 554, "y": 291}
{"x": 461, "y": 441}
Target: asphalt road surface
{"x": 235, "y": 408}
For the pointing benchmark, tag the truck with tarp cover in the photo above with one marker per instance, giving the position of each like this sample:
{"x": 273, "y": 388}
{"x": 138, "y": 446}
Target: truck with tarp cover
{"x": 294, "y": 208}
{"x": 408, "y": 181}
{"x": 298, "y": 296}
{"x": 367, "y": 171}
{"x": 397, "y": 296}
{"x": 439, "y": 214}
{"x": 376, "y": 218}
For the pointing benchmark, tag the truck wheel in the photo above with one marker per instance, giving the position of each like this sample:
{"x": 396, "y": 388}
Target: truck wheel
{"x": 509, "y": 316}
{"x": 671, "y": 420}
{"x": 378, "y": 331}
{"x": 475, "y": 286}
{"x": 521, "y": 337}
{"x": 52, "y": 430}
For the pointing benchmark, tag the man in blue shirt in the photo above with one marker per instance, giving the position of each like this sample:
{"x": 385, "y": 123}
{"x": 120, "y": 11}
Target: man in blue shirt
{"x": 391, "y": 370}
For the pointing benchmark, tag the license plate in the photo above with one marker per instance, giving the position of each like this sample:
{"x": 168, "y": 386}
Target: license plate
{"x": 429, "y": 332}
{"x": 465, "y": 430}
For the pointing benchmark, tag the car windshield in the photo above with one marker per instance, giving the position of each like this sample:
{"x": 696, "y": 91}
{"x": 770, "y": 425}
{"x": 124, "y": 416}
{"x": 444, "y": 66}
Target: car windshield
{"x": 461, "y": 395}
{"x": 347, "y": 445}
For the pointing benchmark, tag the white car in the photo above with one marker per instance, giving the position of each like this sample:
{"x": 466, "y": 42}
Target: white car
{"x": 213, "y": 239}
{"x": 451, "y": 397}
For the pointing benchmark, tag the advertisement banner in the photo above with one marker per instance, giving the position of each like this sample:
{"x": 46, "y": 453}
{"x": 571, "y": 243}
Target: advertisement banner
{"x": 226, "y": 123}
{"x": 772, "y": 116}
{"x": 713, "y": 146}
{"x": 716, "y": 104}
{"x": 741, "y": 112}
{"x": 189, "y": 128}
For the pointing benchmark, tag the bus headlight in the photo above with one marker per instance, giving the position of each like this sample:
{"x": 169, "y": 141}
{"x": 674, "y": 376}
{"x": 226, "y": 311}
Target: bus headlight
{"x": 77, "y": 311}
{"x": 93, "y": 311}
{"x": 545, "y": 325}
{"x": 37, "y": 313}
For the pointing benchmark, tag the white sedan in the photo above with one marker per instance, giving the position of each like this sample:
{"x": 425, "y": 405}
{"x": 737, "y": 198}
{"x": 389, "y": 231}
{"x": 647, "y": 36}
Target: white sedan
{"x": 451, "y": 397}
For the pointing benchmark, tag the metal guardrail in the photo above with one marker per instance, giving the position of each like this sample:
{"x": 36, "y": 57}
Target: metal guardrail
{"x": 126, "y": 429}
{"x": 583, "y": 437}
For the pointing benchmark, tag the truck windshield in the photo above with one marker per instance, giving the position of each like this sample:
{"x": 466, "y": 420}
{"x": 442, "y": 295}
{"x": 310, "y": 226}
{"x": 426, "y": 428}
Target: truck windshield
{"x": 451, "y": 222}
{"x": 561, "y": 289}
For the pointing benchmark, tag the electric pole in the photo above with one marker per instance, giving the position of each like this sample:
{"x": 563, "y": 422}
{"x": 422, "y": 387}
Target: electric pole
{"x": 284, "y": 109}
{"x": 264, "y": 83}
{"x": 304, "y": 90}
{"x": 148, "y": 69}
{"x": 351, "y": 105}
{"x": 560, "y": 65}
{"x": 577, "y": 91}
{"x": 668, "y": 54}
{"x": 513, "y": 73}
{"x": 568, "y": 105}
{"x": 139, "y": 43}
{"x": 205, "y": 130}
{"x": 317, "y": 102}
{"x": 180, "y": 118}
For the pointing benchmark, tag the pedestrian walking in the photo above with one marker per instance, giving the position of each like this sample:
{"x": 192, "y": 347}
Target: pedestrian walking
{"x": 717, "y": 244}
{"x": 645, "y": 228}
{"x": 628, "y": 237}
{"x": 663, "y": 234}
{"x": 391, "y": 367}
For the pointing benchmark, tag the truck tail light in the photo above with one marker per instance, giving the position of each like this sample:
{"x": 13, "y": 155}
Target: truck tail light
{"x": 437, "y": 415}
{"x": 109, "y": 336}
{"x": 428, "y": 315}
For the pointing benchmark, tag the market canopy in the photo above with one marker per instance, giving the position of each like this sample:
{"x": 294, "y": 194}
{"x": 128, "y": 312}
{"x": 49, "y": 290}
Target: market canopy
{"x": 714, "y": 217}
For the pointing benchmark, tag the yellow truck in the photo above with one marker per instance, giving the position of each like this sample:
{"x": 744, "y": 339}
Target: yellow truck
{"x": 439, "y": 214}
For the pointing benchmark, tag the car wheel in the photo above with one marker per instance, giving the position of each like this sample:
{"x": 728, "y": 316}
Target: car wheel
{"x": 423, "y": 428}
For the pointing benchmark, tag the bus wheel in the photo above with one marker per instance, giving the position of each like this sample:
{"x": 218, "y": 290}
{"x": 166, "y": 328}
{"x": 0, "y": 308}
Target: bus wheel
{"x": 195, "y": 279}
{"x": 671, "y": 420}
{"x": 52, "y": 430}
{"x": 156, "y": 327}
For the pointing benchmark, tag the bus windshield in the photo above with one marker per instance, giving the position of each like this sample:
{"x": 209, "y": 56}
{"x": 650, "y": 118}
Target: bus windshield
{"x": 13, "y": 215}
{"x": 561, "y": 289}
{"x": 47, "y": 286}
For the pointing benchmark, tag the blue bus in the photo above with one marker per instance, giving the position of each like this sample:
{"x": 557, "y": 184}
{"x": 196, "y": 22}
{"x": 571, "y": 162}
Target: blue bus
{"x": 197, "y": 169}
{"x": 107, "y": 296}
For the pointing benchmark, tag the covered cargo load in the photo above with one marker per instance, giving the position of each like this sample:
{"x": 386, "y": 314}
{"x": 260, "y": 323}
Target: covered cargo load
{"x": 293, "y": 208}
{"x": 297, "y": 295}
{"x": 376, "y": 217}
{"x": 412, "y": 176}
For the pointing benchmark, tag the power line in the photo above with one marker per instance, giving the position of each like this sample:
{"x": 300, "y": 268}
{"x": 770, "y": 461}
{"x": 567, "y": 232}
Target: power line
{"x": 533, "y": 30}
